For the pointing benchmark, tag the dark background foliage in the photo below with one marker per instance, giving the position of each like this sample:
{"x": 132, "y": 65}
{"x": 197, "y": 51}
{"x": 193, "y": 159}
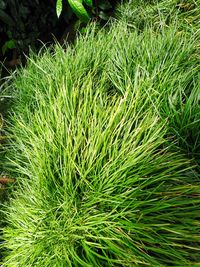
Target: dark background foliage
{"x": 26, "y": 22}
{"x": 30, "y": 23}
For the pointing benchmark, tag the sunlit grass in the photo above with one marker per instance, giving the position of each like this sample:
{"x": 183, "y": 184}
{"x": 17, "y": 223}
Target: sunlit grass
{"x": 166, "y": 66}
{"x": 104, "y": 152}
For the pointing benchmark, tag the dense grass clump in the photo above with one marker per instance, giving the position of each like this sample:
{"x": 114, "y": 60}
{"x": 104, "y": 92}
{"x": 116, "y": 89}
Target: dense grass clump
{"x": 166, "y": 66}
{"x": 140, "y": 14}
{"x": 106, "y": 175}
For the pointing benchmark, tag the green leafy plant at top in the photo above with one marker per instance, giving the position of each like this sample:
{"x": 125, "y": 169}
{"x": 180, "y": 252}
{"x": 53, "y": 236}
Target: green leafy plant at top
{"x": 8, "y": 45}
{"x": 78, "y": 8}
{"x": 86, "y": 9}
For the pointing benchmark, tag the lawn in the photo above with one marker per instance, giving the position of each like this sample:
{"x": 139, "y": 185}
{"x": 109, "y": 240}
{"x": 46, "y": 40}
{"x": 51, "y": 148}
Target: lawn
{"x": 104, "y": 146}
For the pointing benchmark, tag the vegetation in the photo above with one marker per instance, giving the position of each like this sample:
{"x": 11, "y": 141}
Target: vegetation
{"x": 28, "y": 23}
{"x": 159, "y": 13}
{"x": 185, "y": 16}
{"x": 23, "y": 23}
{"x": 104, "y": 146}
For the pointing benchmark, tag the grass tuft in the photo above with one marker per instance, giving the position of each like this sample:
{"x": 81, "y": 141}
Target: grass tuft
{"x": 105, "y": 151}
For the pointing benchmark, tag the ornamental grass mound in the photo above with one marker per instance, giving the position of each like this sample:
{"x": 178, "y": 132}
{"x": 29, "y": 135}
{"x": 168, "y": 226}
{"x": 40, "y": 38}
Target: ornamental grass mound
{"x": 103, "y": 178}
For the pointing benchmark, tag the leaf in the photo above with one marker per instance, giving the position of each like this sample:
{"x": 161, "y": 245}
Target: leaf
{"x": 8, "y": 45}
{"x": 79, "y": 9}
{"x": 89, "y": 2}
{"x": 58, "y": 7}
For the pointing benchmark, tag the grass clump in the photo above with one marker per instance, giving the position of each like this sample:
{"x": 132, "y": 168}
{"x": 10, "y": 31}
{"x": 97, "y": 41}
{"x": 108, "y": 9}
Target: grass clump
{"x": 103, "y": 178}
{"x": 166, "y": 65}
{"x": 160, "y": 13}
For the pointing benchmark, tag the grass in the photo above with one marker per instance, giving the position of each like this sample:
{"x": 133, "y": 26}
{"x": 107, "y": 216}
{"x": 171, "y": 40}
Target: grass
{"x": 5, "y": 104}
{"x": 105, "y": 153}
{"x": 160, "y": 13}
{"x": 182, "y": 106}
{"x": 168, "y": 71}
